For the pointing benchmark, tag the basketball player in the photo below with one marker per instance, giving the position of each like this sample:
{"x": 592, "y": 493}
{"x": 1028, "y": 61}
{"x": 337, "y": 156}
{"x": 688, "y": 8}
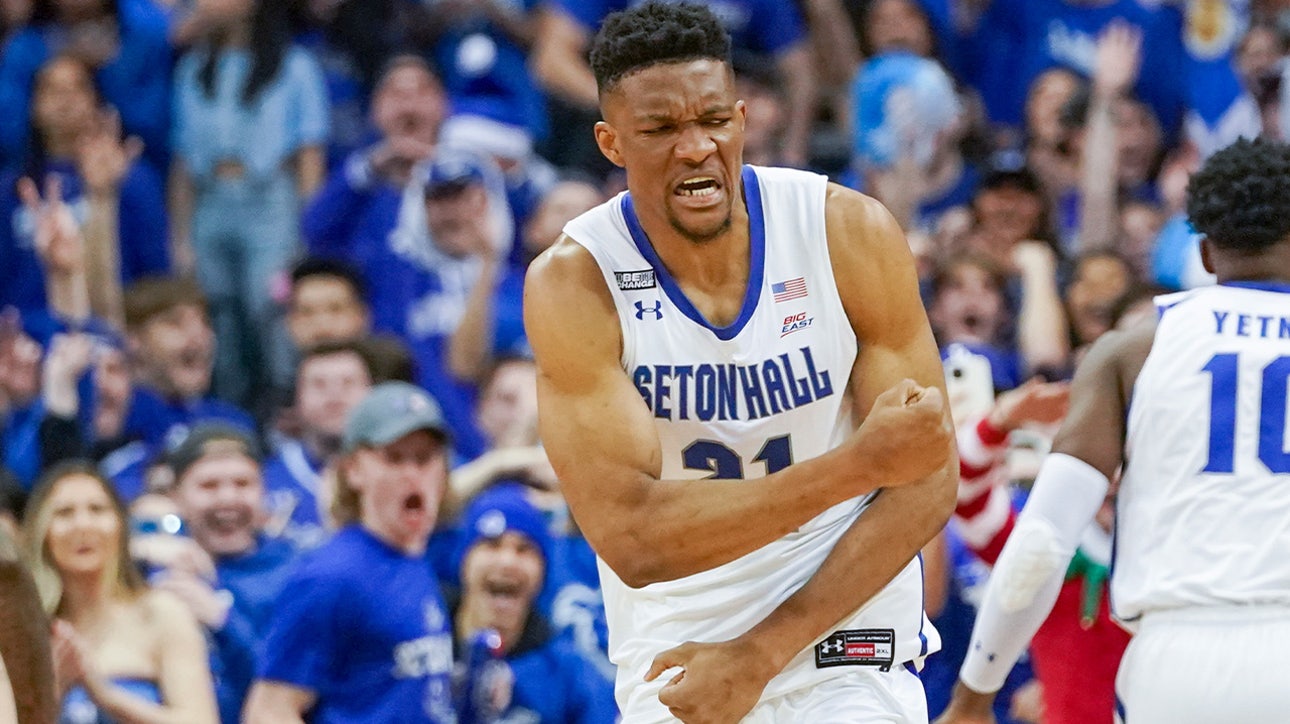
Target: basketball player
{"x": 707, "y": 344}
{"x": 1192, "y": 410}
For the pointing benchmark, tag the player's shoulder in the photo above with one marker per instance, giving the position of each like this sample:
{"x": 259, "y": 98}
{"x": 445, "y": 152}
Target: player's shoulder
{"x": 566, "y": 269}
{"x": 1120, "y": 353}
{"x": 857, "y": 221}
{"x": 567, "y": 302}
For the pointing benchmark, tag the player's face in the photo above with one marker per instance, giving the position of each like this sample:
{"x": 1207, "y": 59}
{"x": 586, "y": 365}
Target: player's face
{"x": 678, "y": 131}
{"x": 221, "y": 497}
{"x": 501, "y": 577}
{"x": 84, "y": 527}
{"x": 399, "y": 487}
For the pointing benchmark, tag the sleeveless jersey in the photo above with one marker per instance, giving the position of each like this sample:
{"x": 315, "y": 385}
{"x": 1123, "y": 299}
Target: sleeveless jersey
{"x": 738, "y": 402}
{"x": 1203, "y": 512}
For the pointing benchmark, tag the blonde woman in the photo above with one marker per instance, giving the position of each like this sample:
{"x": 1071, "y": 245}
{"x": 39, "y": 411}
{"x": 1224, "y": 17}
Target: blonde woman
{"x": 122, "y": 653}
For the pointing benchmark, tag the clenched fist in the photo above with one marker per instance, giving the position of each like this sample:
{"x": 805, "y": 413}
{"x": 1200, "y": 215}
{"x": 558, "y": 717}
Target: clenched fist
{"x": 905, "y": 437}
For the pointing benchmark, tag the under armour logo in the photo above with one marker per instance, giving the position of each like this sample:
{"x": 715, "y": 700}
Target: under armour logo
{"x": 642, "y": 310}
{"x": 833, "y": 646}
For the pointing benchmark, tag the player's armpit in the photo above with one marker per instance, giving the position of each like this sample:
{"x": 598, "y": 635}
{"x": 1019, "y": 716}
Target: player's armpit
{"x": 603, "y": 444}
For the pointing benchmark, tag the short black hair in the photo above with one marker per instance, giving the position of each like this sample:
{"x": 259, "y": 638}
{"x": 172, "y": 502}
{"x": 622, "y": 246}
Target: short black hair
{"x": 654, "y": 33}
{"x": 1240, "y": 197}
{"x": 318, "y": 266}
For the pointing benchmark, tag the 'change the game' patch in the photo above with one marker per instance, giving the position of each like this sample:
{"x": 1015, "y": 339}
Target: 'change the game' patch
{"x": 864, "y": 647}
{"x": 632, "y": 280}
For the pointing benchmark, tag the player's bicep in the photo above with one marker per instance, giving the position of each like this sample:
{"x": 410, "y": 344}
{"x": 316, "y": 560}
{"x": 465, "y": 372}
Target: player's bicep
{"x": 878, "y": 284}
{"x": 1094, "y": 428}
{"x": 593, "y": 421}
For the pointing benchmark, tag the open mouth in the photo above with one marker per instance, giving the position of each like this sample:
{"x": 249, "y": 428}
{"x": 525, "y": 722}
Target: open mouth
{"x": 228, "y": 520}
{"x": 414, "y": 503}
{"x": 699, "y": 186}
{"x": 508, "y": 589}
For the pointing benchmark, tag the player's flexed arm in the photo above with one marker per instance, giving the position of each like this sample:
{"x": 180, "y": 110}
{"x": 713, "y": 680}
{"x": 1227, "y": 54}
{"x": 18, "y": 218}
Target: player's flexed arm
{"x": 603, "y": 444}
{"x": 879, "y": 289}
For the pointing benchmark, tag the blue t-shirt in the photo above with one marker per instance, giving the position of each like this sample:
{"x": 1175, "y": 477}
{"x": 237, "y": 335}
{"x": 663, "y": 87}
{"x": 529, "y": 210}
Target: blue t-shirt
{"x": 574, "y": 604}
{"x": 141, "y": 229}
{"x": 765, "y": 27}
{"x": 364, "y": 627}
{"x": 254, "y": 580}
{"x": 156, "y": 423}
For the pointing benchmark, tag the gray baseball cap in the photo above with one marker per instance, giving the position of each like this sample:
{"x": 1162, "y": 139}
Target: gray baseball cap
{"x": 390, "y": 411}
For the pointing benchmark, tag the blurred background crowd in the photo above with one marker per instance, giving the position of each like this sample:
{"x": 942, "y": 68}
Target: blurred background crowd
{"x": 249, "y": 212}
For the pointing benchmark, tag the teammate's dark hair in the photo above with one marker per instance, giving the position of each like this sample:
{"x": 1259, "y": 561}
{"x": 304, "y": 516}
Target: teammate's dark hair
{"x": 1240, "y": 197}
{"x": 655, "y": 33}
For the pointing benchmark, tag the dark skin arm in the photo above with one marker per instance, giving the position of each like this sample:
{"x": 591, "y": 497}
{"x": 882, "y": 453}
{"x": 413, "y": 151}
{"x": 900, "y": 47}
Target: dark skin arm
{"x": 1093, "y": 431}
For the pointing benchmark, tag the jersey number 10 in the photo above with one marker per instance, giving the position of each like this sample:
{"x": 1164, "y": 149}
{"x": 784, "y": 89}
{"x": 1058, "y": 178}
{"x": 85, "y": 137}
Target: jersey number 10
{"x": 1224, "y": 370}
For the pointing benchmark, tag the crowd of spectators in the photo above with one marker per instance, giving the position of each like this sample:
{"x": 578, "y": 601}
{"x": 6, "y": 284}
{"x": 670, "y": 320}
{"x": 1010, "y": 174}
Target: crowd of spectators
{"x": 224, "y": 224}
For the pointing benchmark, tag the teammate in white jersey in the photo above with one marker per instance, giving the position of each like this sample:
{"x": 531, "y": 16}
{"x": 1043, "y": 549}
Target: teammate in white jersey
{"x": 1192, "y": 412}
{"x": 733, "y": 361}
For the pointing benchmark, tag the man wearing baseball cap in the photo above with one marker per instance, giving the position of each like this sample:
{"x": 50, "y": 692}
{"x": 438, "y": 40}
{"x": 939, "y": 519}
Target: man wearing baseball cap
{"x": 219, "y": 493}
{"x": 360, "y": 633}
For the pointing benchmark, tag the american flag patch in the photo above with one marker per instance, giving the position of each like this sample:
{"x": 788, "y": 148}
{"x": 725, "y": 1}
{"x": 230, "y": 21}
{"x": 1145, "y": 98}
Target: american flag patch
{"x": 788, "y": 290}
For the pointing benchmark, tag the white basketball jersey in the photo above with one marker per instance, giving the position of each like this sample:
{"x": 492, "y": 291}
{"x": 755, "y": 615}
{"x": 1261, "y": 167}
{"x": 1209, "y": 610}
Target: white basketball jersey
{"x": 1203, "y": 513}
{"x": 739, "y": 402}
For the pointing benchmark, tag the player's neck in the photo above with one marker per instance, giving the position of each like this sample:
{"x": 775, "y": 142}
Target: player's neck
{"x": 706, "y": 264}
{"x": 1271, "y": 265}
